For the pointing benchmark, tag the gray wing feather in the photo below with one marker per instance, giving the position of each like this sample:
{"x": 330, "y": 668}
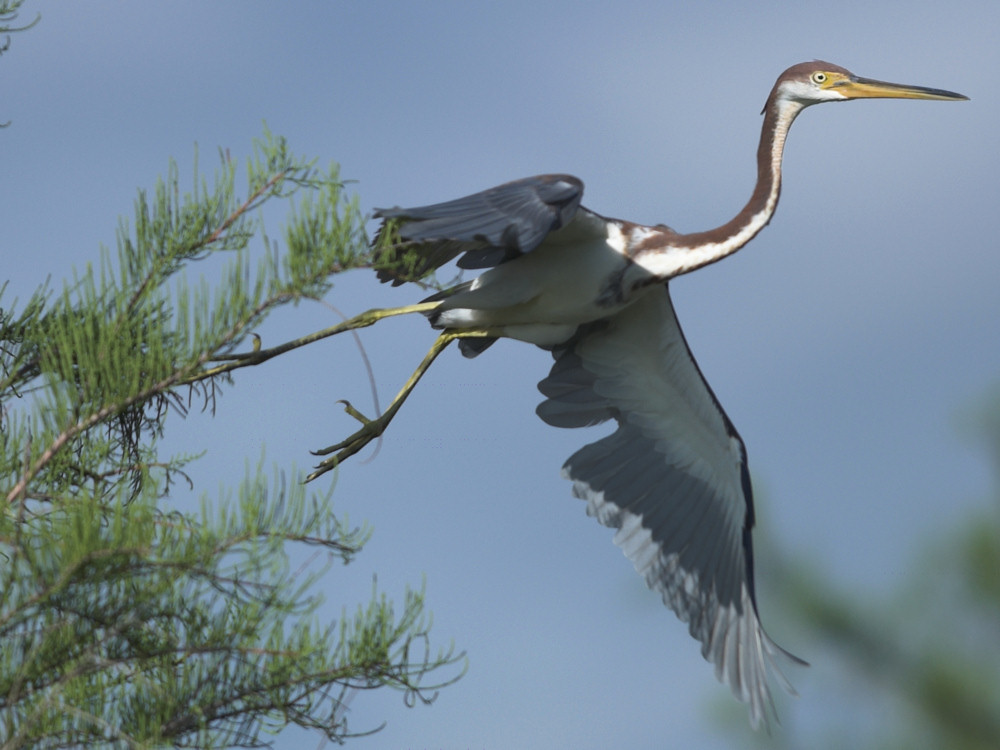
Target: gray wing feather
{"x": 486, "y": 228}
{"x": 672, "y": 479}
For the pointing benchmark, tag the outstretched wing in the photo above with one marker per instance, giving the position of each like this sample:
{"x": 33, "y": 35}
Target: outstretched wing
{"x": 486, "y": 228}
{"x": 672, "y": 479}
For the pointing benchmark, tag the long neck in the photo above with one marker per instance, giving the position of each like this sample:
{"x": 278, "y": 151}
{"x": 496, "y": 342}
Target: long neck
{"x": 690, "y": 251}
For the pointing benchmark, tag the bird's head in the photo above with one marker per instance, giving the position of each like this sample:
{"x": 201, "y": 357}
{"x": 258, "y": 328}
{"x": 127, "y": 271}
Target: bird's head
{"x": 817, "y": 81}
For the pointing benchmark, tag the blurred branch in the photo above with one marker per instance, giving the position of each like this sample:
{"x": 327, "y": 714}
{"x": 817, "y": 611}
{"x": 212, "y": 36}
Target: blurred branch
{"x": 930, "y": 646}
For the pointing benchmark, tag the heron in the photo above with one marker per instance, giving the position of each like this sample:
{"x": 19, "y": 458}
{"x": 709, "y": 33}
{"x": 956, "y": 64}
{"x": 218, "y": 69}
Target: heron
{"x": 672, "y": 479}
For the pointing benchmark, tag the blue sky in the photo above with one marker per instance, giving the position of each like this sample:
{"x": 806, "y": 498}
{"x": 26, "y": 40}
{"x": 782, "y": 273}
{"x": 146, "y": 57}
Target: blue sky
{"x": 843, "y": 341}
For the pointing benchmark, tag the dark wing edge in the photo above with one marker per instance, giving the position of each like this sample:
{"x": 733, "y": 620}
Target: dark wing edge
{"x": 485, "y": 228}
{"x": 673, "y": 481}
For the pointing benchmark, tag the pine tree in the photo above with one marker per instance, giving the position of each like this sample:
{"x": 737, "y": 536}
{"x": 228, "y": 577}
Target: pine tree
{"x": 125, "y": 624}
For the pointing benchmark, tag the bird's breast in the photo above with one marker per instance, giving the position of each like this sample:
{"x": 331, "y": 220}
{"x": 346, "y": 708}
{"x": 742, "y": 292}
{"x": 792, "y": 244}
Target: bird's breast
{"x": 565, "y": 282}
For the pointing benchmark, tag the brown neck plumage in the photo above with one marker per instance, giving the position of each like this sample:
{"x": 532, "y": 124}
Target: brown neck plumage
{"x": 757, "y": 212}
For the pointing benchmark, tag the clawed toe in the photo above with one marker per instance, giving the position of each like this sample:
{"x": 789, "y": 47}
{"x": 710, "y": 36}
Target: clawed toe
{"x": 370, "y": 430}
{"x": 373, "y": 428}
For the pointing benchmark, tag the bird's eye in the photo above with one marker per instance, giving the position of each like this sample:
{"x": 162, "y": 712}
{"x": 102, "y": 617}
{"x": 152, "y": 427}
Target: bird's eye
{"x": 819, "y": 77}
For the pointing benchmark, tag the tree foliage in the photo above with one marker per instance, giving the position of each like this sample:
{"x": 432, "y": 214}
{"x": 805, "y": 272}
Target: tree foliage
{"x": 8, "y": 18}
{"x": 926, "y": 653}
{"x": 126, "y": 624}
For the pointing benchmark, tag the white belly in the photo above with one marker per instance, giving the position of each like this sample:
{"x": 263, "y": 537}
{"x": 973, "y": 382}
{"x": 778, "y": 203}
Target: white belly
{"x": 541, "y": 297}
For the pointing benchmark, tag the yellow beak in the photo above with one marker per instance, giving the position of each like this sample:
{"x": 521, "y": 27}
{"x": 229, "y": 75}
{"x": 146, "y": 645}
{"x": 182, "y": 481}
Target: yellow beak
{"x": 866, "y": 88}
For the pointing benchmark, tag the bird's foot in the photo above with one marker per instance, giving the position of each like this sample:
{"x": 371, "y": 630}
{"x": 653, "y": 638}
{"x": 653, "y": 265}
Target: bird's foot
{"x": 370, "y": 430}
{"x": 373, "y": 428}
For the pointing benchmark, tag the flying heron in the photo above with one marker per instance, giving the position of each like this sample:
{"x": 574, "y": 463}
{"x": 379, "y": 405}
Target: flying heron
{"x": 672, "y": 479}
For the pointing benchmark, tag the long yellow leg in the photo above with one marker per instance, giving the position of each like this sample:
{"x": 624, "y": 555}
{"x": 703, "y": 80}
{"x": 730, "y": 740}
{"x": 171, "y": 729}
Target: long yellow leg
{"x": 373, "y": 428}
{"x": 258, "y": 355}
